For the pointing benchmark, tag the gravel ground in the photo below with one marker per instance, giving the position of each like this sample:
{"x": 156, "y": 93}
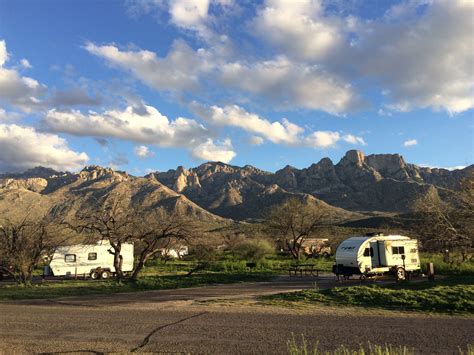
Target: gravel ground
{"x": 219, "y": 319}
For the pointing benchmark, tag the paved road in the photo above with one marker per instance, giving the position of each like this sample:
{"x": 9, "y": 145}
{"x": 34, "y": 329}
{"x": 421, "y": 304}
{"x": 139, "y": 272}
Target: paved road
{"x": 178, "y": 321}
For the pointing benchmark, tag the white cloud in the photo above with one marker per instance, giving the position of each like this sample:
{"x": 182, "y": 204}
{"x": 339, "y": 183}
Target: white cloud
{"x": 233, "y": 115}
{"x": 458, "y": 167}
{"x": 149, "y": 127}
{"x": 22, "y": 92}
{"x": 298, "y": 28}
{"x": 142, "y": 151}
{"x": 189, "y": 13}
{"x": 23, "y": 147}
{"x": 9, "y": 116}
{"x": 286, "y": 83}
{"x": 422, "y": 61}
{"x": 349, "y": 138}
{"x": 210, "y": 151}
{"x": 291, "y": 84}
{"x": 25, "y": 63}
{"x": 284, "y": 132}
{"x": 256, "y": 140}
{"x": 3, "y": 53}
{"x": 322, "y": 139}
{"x": 179, "y": 70}
{"x": 410, "y": 143}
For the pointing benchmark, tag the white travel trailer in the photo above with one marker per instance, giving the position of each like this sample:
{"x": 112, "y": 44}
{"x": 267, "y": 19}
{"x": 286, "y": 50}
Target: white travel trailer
{"x": 376, "y": 255}
{"x": 94, "y": 260}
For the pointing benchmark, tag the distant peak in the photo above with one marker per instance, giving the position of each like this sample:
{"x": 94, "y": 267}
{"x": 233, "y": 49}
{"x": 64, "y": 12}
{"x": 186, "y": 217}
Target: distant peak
{"x": 355, "y": 156}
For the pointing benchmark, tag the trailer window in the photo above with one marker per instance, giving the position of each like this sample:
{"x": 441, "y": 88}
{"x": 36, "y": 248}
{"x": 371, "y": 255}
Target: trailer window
{"x": 369, "y": 252}
{"x": 70, "y": 258}
{"x": 413, "y": 251}
{"x": 398, "y": 250}
{"x": 92, "y": 256}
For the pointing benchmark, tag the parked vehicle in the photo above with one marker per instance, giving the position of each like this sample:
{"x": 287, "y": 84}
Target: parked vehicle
{"x": 316, "y": 247}
{"x": 94, "y": 260}
{"x": 377, "y": 255}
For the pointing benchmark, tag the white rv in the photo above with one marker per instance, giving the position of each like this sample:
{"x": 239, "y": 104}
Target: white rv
{"x": 94, "y": 260}
{"x": 376, "y": 255}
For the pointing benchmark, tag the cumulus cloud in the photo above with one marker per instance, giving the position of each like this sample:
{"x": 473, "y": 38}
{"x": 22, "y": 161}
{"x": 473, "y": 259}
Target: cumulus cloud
{"x": 23, "y": 147}
{"x": 19, "y": 91}
{"x": 423, "y": 62}
{"x": 233, "y": 115}
{"x": 74, "y": 97}
{"x": 284, "y": 132}
{"x": 142, "y": 151}
{"x": 349, "y": 138}
{"x": 291, "y": 84}
{"x": 219, "y": 151}
{"x": 179, "y": 70}
{"x": 410, "y": 143}
{"x": 9, "y": 116}
{"x": 287, "y": 83}
{"x": 256, "y": 140}
{"x": 149, "y": 127}
{"x": 298, "y": 28}
{"x": 25, "y": 64}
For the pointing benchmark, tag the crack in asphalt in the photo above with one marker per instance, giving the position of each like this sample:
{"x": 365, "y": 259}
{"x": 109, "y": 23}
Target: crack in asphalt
{"x": 62, "y": 303}
{"x": 154, "y": 331}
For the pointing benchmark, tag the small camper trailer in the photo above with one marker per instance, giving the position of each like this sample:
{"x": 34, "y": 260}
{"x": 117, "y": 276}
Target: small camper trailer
{"x": 94, "y": 260}
{"x": 377, "y": 254}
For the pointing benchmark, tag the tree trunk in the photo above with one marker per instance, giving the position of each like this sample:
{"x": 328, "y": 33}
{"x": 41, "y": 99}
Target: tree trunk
{"x": 138, "y": 268}
{"x": 118, "y": 260}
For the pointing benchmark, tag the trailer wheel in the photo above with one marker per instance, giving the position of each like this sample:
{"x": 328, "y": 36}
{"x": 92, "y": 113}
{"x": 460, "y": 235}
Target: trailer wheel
{"x": 105, "y": 274}
{"x": 94, "y": 275}
{"x": 400, "y": 274}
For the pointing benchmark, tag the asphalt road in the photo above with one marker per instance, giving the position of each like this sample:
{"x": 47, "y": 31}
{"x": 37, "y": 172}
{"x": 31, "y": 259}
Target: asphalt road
{"x": 184, "y": 321}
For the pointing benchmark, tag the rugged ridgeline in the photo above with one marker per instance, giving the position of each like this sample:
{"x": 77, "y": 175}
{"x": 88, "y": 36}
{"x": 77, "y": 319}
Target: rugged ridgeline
{"x": 383, "y": 182}
{"x": 39, "y": 189}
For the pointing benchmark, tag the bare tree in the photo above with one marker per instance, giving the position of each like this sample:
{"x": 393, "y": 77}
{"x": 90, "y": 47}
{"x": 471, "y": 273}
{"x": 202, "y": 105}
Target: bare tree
{"x": 159, "y": 230}
{"x": 112, "y": 222}
{"x": 24, "y": 243}
{"x": 448, "y": 227}
{"x": 294, "y": 221}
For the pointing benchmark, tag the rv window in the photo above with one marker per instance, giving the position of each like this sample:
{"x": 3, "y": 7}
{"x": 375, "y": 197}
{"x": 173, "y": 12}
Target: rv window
{"x": 92, "y": 256}
{"x": 70, "y": 258}
{"x": 413, "y": 251}
{"x": 369, "y": 252}
{"x": 398, "y": 250}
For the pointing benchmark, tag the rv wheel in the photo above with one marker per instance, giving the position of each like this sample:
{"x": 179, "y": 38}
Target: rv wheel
{"x": 94, "y": 275}
{"x": 104, "y": 274}
{"x": 401, "y": 274}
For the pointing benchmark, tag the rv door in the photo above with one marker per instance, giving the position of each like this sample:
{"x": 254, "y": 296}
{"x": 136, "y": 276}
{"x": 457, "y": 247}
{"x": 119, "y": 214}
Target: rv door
{"x": 374, "y": 246}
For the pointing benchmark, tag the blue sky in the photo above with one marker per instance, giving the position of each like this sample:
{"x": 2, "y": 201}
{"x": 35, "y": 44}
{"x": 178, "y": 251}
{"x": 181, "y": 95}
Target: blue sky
{"x": 149, "y": 85}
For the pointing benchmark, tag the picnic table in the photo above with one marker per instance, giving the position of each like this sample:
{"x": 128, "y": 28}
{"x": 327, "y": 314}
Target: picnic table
{"x": 306, "y": 269}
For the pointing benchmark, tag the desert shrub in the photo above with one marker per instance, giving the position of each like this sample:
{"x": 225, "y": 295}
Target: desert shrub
{"x": 255, "y": 249}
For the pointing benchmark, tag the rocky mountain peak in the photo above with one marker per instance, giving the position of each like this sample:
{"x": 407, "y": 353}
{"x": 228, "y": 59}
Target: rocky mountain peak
{"x": 94, "y": 172}
{"x": 354, "y": 156}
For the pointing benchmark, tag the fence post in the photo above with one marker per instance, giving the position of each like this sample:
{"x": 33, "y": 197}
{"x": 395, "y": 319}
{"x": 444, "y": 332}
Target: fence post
{"x": 431, "y": 271}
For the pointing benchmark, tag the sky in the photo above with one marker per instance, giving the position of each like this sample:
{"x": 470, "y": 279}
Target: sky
{"x": 148, "y": 85}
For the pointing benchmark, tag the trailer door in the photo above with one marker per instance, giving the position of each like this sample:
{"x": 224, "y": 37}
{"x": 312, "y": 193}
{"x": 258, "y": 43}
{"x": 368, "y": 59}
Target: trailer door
{"x": 375, "y": 257}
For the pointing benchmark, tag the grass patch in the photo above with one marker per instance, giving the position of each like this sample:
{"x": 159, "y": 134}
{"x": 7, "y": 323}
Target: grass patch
{"x": 303, "y": 348}
{"x": 455, "y": 296}
{"x": 66, "y": 288}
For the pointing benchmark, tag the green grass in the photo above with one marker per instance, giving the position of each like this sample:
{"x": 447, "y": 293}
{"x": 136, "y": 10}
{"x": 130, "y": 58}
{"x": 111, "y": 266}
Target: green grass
{"x": 66, "y": 288}
{"x": 452, "y": 295}
{"x": 442, "y": 268}
{"x": 303, "y": 348}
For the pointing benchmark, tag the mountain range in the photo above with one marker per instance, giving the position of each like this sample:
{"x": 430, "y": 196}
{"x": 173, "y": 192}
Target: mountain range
{"x": 357, "y": 185}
